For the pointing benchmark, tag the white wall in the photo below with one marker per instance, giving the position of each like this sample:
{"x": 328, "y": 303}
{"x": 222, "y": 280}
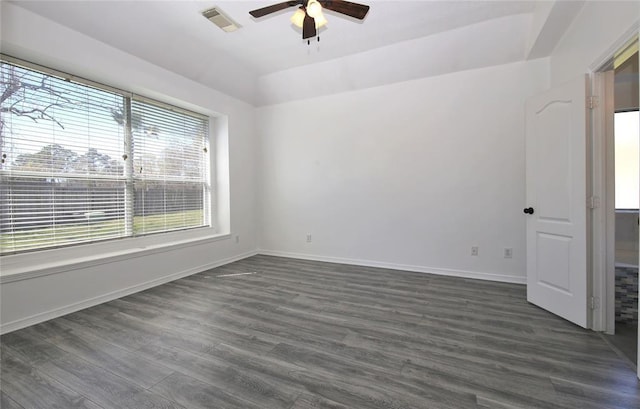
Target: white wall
{"x": 478, "y": 45}
{"x": 25, "y": 299}
{"x": 595, "y": 34}
{"x": 408, "y": 175}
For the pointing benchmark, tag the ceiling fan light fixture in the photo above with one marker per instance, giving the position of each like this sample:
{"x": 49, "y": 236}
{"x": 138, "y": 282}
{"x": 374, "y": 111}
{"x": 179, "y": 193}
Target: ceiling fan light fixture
{"x": 314, "y": 9}
{"x": 321, "y": 21}
{"x": 309, "y": 15}
{"x": 298, "y": 18}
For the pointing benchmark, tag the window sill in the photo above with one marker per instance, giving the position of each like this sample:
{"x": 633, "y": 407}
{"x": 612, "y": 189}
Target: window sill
{"x": 24, "y": 271}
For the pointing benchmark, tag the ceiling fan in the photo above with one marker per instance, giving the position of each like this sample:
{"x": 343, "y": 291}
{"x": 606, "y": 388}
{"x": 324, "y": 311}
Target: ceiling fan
{"x": 309, "y": 15}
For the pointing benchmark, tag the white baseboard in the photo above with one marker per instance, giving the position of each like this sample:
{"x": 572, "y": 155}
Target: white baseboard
{"x": 58, "y": 312}
{"x": 405, "y": 267}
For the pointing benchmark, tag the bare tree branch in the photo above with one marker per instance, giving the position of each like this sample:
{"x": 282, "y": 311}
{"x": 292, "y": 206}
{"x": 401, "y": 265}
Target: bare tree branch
{"x": 15, "y": 84}
{"x": 41, "y": 113}
{"x": 11, "y": 89}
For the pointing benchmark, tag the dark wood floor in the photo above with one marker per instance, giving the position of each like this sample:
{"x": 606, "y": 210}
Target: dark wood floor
{"x": 301, "y": 335}
{"x": 625, "y": 340}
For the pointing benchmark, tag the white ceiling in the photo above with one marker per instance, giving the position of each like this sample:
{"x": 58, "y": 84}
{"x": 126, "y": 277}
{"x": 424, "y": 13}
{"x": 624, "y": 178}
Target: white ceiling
{"x": 175, "y": 36}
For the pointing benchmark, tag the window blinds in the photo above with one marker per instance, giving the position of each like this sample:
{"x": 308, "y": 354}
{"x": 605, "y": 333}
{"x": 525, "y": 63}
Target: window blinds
{"x": 81, "y": 164}
{"x": 169, "y": 167}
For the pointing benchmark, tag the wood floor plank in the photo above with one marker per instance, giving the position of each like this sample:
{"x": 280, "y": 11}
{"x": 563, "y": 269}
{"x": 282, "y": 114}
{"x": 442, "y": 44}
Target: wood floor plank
{"x": 463, "y": 353}
{"x": 102, "y": 386}
{"x": 515, "y": 389}
{"x": 7, "y": 403}
{"x": 32, "y": 388}
{"x": 30, "y": 348}
{"x": 129, "y": 365}
{"x": 99, "y": 384}
{"x": 195, "y": 394}
{"x": 299, "y": 334}
{"x": 371, "y": 392}
{"x": 47, "y": 330}
{"x": 238, "y": 382}
{"x": 488, "y": 403}
{"x": 337, "y": 372}
{"x": 596, "y": 396}
{"x": 310, "y": 401}
{"x": 83, "y": 322}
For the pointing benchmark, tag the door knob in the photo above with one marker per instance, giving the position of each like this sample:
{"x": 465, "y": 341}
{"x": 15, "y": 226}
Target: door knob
{"x": 528, "y": 210}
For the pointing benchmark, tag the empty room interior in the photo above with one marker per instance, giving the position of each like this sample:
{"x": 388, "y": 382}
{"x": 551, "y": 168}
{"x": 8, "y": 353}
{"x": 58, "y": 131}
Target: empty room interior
{"x": 319, "y": 204}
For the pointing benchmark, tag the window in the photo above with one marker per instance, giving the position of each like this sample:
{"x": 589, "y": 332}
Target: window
{"x": 627, "y": 159}
{"x": 82, "y": 162}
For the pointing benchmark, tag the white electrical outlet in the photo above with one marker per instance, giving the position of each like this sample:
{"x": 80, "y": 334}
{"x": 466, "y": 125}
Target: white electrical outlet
{"x": 474, "y": 250}
{"x": 308, "y": 237}
{"x": 508, "y": 252}
{"x": 237, "y": 239}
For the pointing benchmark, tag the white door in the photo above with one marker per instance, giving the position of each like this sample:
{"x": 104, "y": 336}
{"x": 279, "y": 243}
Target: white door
{"x": 556, "y": 201}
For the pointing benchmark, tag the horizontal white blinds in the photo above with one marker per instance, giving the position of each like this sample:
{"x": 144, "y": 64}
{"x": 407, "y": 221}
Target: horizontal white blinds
{"x": 168, "y": 168}
{"x": 57, "y": 127}
{"x": 167, "y": 145}
{"x": 81, "y": 164}
{"x": 40, "y": 212}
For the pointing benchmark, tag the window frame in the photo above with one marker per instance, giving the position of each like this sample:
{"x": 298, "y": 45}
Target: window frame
{"x": 130, "y": 245}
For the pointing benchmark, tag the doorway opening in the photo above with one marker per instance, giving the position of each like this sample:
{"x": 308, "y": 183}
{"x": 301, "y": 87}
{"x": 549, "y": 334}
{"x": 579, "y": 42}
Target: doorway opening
{"x": 627, "y": 172}
{"x": 626, "y": 176}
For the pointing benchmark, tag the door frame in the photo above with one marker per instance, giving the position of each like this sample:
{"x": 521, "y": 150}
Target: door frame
{"x": 602, "y": 220}
{"x": 603, "y": 216}
{"x": 602, "y": 176}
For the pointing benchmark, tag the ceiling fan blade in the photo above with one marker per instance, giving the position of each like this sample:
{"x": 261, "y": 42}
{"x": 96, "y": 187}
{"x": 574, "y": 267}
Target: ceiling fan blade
{"x": 308, "y": 27}
{"x": 348, "y": 8}
{"x": 273, "y": 8}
